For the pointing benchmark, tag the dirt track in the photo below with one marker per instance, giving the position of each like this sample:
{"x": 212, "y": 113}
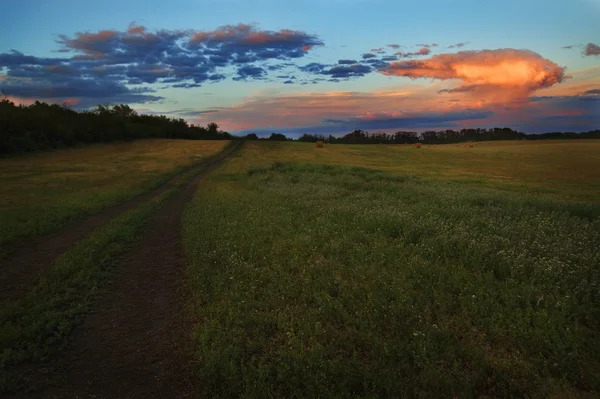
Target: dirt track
{"x": 133, "y": 344}
{"x": 23, "y": 265}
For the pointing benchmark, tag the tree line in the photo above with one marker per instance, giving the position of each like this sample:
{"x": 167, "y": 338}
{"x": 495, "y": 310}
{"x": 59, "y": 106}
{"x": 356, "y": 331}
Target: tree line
{"x": 41, "y": 126}
{"x": 448, "y": 136}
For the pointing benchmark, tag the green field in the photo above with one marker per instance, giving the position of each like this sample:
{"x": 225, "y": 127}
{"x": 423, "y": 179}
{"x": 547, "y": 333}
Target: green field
{"x": 389, "y": 271}
{"x": 346, "y": 271}
{"x": 43, "y": 192}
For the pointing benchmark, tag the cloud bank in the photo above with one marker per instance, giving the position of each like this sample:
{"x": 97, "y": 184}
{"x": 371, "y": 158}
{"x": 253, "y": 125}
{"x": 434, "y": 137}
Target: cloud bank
{"x": 102, "y": 66}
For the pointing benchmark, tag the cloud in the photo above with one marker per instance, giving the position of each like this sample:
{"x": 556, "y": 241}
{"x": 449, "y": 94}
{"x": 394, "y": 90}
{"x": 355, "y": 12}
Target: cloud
{"x": 592, "y": 92}
{"x": 368, "y": 55}
{"x": 109, "y": 62}
{"x": 429, "y": 45}
{"x": 249, "y": 71}
{"x": 591, "y": 49}
{"x": 394, "y": 46}
{"x": 347, "y": 71}
{"x": 570, "y": 46}
{"x": 346, "y": 62}
{"x": 458, "y": 45}
{"x": 380, "y": 121}
{"x": 313, "y": 67}
{"x": 512, "y": 73}
{"x": 379, "y": 50}
{"x": 244, "y": 38}
{"x": 422, "y": 51}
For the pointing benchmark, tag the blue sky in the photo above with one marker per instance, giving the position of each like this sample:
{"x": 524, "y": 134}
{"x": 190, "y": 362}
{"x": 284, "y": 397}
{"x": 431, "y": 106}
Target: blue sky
{"x": 546, "y": 87}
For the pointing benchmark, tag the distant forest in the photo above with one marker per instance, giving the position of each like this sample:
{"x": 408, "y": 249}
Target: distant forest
{"x": 41, "y": 126}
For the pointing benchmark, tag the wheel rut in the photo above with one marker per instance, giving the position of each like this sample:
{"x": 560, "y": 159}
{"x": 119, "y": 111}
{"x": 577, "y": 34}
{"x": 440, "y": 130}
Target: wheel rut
{"x": 21, "y": 267}
{"x": 135, "y": 343}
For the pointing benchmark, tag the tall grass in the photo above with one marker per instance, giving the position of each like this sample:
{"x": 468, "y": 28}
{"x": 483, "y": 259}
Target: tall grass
{"x": 315, "y": 280}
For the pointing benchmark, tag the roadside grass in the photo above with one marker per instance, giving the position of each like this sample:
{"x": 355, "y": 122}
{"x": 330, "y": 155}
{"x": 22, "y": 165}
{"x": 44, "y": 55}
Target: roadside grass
{"x": 564, "y": 169}
{"x": 42, "y": 192}
{"x": 36, "y": 327}
{"x": 331, "y": 281}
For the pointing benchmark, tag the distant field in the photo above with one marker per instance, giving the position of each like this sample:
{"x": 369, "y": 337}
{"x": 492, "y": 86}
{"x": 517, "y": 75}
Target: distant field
{"x": 448, "y": 272}
{"x": 566, "y": 169}
{"x": 41, "y": 192}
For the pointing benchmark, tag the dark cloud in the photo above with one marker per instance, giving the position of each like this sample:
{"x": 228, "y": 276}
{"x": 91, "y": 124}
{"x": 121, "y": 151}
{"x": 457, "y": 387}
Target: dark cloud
{"x": 346, "y": 62}
{"x": 428, "y": 45}
{"x": 458, "y": 45}
{"x": 422, "y": 51}
{"x": 461, "y": 89}
{"x": 591, "y": 49}
{"x": 379, "y": 50}
{"x": 249, "y": 71}
{"x": 592, "y": 92}
{"x": 379, "y": 65}
{"x": 376, "y": 122}
{"x": 313, "y": 67}
{"x": 15, "y": 58}
{"x": 390, "y": 58}
{"x": 103, "y": 65}
{"x": 570, "y": 46}
{"x": 288, "y": 82}
{"x": 384, "y": 121}
{"x": 394, "y": 46}
{"x": 368, "y": 55}
{"x": 347, "y": 71}
{"x": 186, "y": 85}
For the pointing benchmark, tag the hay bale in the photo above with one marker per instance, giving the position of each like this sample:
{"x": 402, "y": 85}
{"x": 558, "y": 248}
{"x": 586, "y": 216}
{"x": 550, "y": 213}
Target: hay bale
{"x": 417, "y": 145}
{"x": 470, "y": 145}
{"x": 319, "y": 144}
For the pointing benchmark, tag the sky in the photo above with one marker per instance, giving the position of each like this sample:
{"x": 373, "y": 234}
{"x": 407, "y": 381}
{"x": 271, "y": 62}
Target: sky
{"x": 313, "y": 66}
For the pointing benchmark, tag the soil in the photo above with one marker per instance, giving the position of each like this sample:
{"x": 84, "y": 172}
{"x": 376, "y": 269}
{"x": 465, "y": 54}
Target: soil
{"x": 22, "y": 266}
{"x": 136, "y": 342}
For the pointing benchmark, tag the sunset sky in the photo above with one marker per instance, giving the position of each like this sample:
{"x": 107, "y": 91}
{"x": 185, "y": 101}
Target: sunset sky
{"x": 308, "y": 66}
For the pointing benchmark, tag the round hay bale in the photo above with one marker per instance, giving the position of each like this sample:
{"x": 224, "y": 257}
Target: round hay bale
{"x": 417, "y": 145}
{"x": 319, "y": 144}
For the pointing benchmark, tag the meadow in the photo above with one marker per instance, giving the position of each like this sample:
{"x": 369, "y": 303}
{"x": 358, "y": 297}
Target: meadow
{"x": 344, "y": 271}
{"x": 42, "y": 192}
{"x": 389, "y": 271}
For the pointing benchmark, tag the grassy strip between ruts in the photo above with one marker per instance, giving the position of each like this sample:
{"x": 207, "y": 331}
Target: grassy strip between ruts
{"x": 34, "y": 328}
{"x": 314, "y": 280}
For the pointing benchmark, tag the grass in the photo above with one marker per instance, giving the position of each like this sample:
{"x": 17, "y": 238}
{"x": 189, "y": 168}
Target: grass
{"x": 564, "y": 169}
{"x": 43, "y": 192}
{"x": 34, "y": 328}
{"x": 343, "y": 281}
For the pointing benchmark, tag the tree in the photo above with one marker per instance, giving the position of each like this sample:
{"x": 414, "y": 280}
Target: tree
{"x": 212, "y": 128}
{"x": 277, "y": 137}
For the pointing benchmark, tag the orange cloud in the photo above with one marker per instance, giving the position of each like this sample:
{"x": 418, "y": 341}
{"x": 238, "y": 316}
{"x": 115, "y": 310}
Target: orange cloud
{"x": 136, "y": 29}
{"x": 86, "y": 42}
{"x": 508, "y": 73}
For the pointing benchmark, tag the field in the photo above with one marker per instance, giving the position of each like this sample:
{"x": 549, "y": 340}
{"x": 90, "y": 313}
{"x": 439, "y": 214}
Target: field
{"x": 43, "y": 192}
{"x": 346, "y": 271}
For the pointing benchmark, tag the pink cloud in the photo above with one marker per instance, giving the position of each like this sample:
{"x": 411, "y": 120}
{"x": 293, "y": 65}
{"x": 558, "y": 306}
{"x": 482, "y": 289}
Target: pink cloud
{"x": 511, "y": 73}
